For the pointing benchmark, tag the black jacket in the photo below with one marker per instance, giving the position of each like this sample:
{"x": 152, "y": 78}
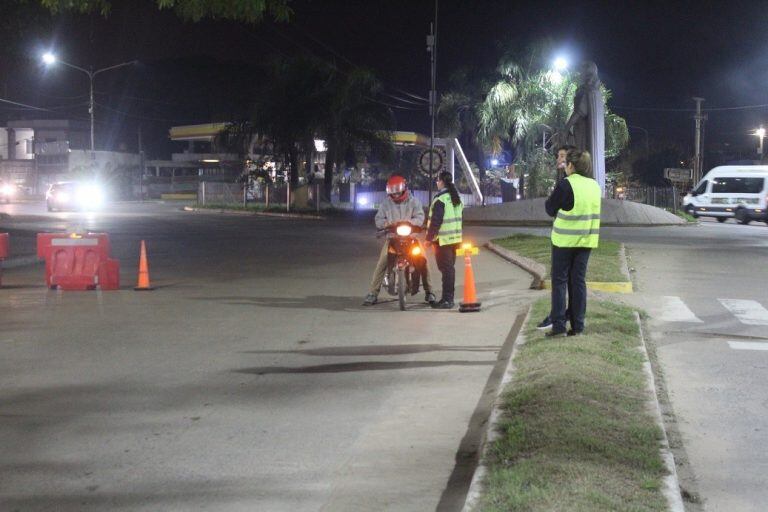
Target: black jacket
{"x": 560, "y": 199}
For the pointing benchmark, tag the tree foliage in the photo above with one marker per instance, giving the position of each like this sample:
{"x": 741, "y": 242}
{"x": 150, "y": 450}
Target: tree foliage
{"x": 523, "y": 102}
{"x": 250, "y": 11}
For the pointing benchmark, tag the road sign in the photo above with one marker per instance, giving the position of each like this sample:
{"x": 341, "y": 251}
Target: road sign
{"x": 437, "y": 160}
{"x": 673, "y": 174}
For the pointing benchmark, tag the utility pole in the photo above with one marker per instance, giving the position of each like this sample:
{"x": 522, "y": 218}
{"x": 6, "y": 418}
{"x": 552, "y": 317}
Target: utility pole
{"x": 432, "y": 49}
{"x": 698, "y": 160}
{"x": 141, "y": 167}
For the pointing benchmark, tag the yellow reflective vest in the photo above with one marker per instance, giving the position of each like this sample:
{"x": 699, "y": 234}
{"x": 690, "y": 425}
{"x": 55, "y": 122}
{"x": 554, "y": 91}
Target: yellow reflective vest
{"x": 450, "y": 230}
{"x": 579, "y": 227}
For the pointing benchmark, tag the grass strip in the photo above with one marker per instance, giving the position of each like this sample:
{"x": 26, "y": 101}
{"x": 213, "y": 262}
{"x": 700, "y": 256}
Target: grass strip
{"x": 604, "y": 262}
{"x": 576, "y": 434}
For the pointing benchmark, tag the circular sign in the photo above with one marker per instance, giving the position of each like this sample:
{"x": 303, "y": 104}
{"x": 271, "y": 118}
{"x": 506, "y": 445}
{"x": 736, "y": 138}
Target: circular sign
{"x": 437, "y": 160}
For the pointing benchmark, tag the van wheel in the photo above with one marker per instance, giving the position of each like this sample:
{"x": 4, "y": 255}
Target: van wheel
{"x": 691, "y": 211}
{"x": 742, "y": 217}
{"x": 721, "y": 219}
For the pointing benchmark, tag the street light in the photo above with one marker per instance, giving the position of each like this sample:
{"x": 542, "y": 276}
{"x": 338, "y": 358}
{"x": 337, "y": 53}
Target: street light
{"x": 561, "y": 64}
{"x": 49, "y": 59}
{"x": 760, "y": 132}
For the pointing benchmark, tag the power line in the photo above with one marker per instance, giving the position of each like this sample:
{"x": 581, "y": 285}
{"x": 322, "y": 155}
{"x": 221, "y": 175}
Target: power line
{"x": 145, "y": 118}
{"x": 711, "y": 109}
{"x": 31, "y": 107}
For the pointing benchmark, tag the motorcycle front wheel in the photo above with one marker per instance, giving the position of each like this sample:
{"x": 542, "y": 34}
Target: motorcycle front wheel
{"x": 401, "y": 288}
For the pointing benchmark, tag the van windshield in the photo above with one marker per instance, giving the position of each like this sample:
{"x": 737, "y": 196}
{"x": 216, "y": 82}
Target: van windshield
{"x": 737, "y": 185}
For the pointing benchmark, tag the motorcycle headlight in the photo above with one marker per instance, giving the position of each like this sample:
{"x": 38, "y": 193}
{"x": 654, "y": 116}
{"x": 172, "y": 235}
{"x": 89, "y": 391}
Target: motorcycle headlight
{"x": 416, "y": 251}
{"x": 7, "y": 190}
{"x": 404, "y": 230}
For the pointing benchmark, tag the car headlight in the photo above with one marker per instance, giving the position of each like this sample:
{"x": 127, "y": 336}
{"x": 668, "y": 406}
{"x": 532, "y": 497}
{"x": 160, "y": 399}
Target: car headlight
{"x": 90, "y": 196}
{"x": 8, "y": 190}
{"x": 404, "y": 230}
{"x": 62, "y": 197}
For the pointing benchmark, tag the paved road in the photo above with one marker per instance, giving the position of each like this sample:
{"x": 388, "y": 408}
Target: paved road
{"x": 251, "y": 379}
{"x": 704, "y": 288}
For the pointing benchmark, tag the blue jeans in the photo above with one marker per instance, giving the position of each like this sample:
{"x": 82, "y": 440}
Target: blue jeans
{"x": 569, "y": 281}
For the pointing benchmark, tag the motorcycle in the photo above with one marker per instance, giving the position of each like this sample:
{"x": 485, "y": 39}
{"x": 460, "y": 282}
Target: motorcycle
{"x": 406, "y": 262}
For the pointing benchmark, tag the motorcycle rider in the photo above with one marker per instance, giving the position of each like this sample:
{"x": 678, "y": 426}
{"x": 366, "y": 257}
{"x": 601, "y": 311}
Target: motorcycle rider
{"x": 399, "y": 206}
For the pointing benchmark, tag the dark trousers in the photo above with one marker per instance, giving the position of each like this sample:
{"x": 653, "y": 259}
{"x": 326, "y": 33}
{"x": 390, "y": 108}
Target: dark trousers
{"x": 569, "y": 280}
{"x": 445, "y": 256}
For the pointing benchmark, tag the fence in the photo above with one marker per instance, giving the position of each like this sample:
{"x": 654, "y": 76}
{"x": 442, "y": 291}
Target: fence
{"x": 266, "y": 195}
{"x": 305, "y": 196}
{"x": 661, "y": 197}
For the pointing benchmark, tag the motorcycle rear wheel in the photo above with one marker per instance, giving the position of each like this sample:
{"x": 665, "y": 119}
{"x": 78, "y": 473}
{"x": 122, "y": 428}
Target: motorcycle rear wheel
{"x": 401, "y": 288}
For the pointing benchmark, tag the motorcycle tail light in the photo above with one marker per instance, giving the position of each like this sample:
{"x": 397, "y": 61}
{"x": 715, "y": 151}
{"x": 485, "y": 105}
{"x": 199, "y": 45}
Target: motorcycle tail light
{"x": 404, "y": 230}
{"x": 416, "y": 251}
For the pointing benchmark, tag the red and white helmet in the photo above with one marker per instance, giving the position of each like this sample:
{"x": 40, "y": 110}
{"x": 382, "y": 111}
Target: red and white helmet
{"x": 397, "y": 188}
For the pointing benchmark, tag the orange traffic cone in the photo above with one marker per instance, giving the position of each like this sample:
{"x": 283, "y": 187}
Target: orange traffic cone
{"x": 470, "y": 303}
{"x": 143, "y": 284}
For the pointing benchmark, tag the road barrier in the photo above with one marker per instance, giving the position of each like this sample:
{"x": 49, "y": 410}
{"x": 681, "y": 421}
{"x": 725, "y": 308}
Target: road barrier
{"x": 78, "y": 262}
{"x": 3, "y": 253}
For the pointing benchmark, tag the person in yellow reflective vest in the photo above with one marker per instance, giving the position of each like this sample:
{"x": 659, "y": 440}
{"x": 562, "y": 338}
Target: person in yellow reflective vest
{"x": 444, "y": 233}
{"x": 575, "y": 205}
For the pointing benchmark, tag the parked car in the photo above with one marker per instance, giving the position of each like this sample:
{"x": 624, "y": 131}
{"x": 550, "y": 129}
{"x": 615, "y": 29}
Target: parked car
{"x": 73, "y": 195}
{"x": 729, "y": 191}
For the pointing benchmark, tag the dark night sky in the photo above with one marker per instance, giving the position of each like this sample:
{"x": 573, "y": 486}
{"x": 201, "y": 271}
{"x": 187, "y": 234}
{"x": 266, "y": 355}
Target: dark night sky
{"x": 652, "y": 55}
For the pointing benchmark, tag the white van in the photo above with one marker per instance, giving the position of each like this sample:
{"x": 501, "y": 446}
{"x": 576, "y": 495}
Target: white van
{"x": 739, "y": 191}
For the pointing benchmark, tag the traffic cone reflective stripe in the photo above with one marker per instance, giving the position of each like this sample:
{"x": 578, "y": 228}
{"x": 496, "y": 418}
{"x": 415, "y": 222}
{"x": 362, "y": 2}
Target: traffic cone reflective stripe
{"x": 470, "y": 303}
{"x": 143, "y": 283}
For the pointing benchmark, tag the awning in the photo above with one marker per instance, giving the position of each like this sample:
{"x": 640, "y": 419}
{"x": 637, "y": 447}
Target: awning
{"x": 205, "y": 132}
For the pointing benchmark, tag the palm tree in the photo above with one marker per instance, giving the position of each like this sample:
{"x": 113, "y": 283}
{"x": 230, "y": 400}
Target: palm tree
{"x": 354, "y": 118}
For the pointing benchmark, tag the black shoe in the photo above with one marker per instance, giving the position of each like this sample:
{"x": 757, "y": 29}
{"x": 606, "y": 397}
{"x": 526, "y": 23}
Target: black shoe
{"x": 545, "y": 324}
{"x": 430, "y": 297}
{"x": 443, "y": 304}
{"x": 556, "y": 334}
{"x": 571, "y": 332}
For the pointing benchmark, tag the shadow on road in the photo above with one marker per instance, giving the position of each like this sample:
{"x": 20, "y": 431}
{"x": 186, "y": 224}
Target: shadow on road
{"x": 360, "y": 366}
{"x": 327, "y": 302}
{"x": 377, "y": 350}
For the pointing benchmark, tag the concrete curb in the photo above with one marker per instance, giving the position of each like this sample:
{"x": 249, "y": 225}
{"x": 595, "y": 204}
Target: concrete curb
{"x": 537, "y": 270}
{"x": 671, "y": 489}
{"x": 492, "y": 431}
{"x": 258, "y": 214}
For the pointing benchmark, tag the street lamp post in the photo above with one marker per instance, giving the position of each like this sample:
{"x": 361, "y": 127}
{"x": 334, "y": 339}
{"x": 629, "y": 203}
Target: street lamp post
{"x": 760, "y": 132}
{"x": 50, "y": 59}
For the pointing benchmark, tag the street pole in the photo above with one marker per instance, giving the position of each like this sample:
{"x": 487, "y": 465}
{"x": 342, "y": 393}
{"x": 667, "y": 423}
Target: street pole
{"x": 51, "y": 59}
{"x": 90, "y": 105}
{"x": 432, "y": 49}
{"x": 697, "y": 159}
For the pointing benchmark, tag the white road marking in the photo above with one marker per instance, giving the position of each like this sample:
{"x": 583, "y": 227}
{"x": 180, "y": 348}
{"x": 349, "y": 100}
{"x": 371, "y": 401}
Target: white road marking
{"x": 748, "y": 345}
{"x": 675, "y": 310}
{"x": 748, "y": 312}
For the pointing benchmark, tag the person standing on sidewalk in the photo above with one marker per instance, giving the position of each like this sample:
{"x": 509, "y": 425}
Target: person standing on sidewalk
{"x": 444, "y": 232}
{"x": 575, "y": 204}
{"x": 561, "y": 154}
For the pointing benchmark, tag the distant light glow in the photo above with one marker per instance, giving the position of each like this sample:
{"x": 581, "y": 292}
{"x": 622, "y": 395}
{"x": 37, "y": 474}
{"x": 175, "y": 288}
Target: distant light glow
{"x": 560, "y": 64}
{"x": 210, "y": 160}
{"x": 760, "y": 132}
{"x": 49, "y": 58}
{"x": 320, "y": 146}
{"x": 362, "y": 201}
{"x": 495, "y": 162}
